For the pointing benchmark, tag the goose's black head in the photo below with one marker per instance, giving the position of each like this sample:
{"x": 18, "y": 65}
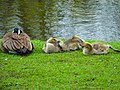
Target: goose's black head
{"x": 17, "y": 30}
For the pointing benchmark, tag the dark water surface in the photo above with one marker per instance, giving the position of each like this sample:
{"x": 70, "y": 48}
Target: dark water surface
{"x": 90, "y": 19}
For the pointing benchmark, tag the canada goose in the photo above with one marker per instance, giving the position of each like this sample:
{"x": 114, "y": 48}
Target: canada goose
{"x": 16, "y": 42}
{"x": 72, "y": 44}
{"x": 52, "y": 45}
{"x": 97, "y": 48}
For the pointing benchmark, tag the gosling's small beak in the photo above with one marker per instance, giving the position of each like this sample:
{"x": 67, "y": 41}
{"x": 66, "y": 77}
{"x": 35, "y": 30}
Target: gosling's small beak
{"x": 58, "y": 41}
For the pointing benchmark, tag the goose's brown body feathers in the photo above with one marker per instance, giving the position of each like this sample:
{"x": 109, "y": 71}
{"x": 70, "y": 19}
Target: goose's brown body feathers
{"x": 17, "y": 43}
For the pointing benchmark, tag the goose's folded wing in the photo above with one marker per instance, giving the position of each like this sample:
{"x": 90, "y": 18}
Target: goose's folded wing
{"x": 12, "y": 42}
{"x": 26, "y": 41}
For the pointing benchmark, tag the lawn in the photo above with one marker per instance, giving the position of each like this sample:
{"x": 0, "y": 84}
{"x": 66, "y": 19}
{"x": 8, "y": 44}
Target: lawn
{"x": 60, "y": 71}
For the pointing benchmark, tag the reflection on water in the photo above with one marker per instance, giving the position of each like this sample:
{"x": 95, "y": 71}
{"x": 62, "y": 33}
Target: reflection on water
{"x": 90, "y": 19}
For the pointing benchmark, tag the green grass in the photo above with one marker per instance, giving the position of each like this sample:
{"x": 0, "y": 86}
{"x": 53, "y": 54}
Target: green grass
{"x": 60, "y": 71}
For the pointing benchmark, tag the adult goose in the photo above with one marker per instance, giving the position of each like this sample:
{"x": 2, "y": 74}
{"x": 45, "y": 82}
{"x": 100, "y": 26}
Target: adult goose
{"x": 17, "y": 42}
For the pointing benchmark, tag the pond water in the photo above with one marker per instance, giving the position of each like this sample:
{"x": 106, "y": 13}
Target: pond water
{"x": 41, "y": 19}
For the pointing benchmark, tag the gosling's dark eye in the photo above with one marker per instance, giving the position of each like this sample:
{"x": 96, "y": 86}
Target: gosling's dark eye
{"x": 54, "y": 39}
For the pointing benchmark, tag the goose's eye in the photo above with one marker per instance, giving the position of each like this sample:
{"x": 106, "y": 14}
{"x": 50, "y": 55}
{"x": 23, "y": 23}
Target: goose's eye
{"x": 54, "y": 39}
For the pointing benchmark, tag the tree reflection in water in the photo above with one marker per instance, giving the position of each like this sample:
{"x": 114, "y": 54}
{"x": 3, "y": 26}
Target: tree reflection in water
{"x": 90, "y": 19}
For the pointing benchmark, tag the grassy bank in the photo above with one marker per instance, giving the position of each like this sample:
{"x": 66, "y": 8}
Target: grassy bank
{"x": 60, "y": 71}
